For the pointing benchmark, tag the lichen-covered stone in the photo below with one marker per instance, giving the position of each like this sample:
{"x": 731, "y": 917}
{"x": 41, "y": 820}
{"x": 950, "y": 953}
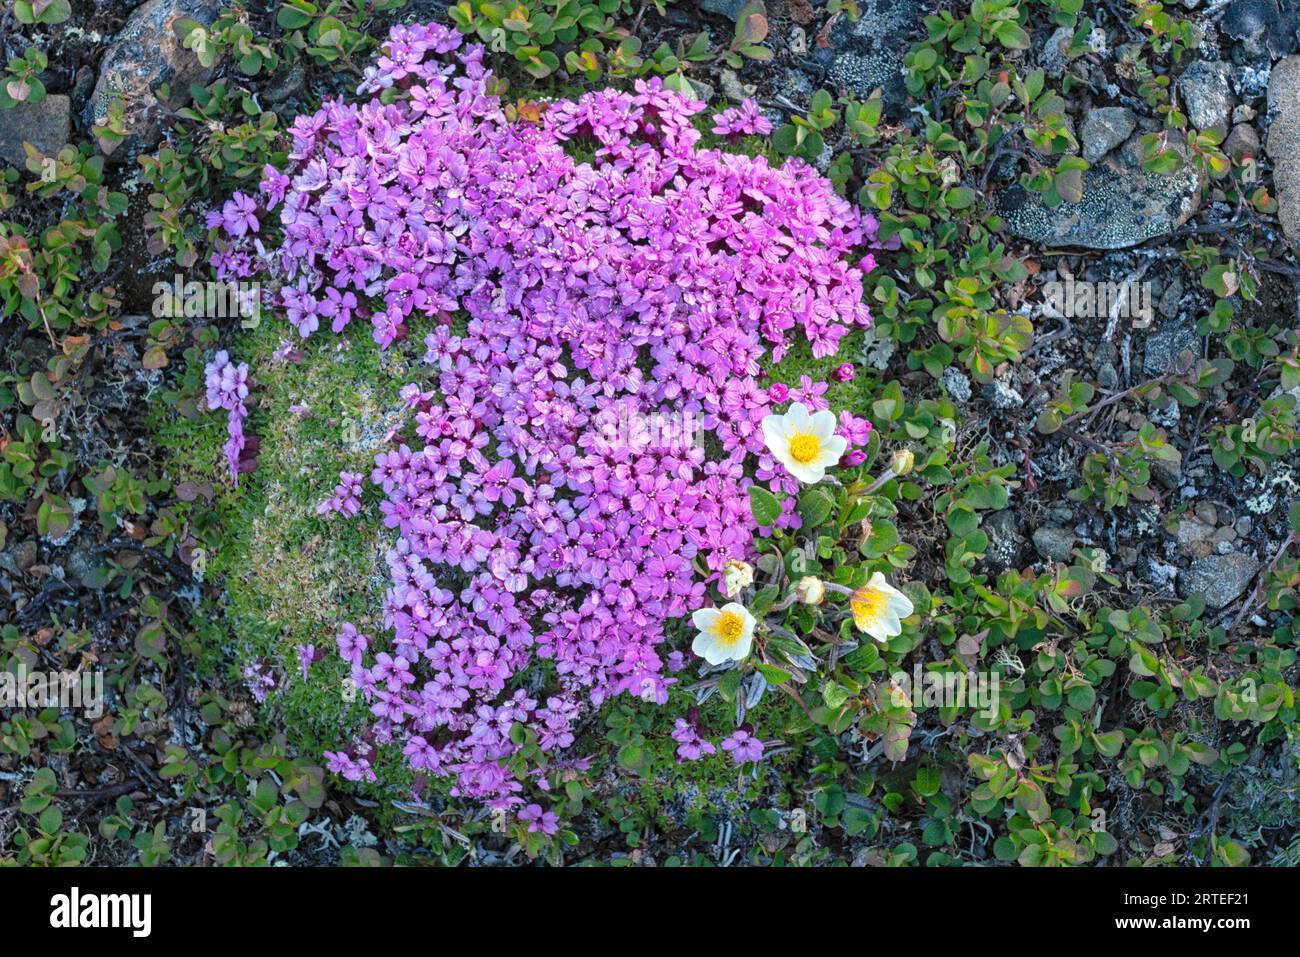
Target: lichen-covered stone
{"x": 1219, "y": 579}
{"x": 1284, "y": 143}
{"x": 148, "y": 52}
{"x": 1206, "y": 88}
{"x": 1122, "y": 204}
{"x": 862, "y": 55}
{"x": 1263, "y": 25}
{"x": 1104, "y": 129}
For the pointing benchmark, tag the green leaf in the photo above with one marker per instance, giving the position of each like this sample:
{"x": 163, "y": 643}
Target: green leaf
{"x": 1011, "y": 35}
{"x": 927, "y": 781}
{"x": 815, "y": 506}
{"x": 765, "y": 506}
{"x": 292, "y": 19}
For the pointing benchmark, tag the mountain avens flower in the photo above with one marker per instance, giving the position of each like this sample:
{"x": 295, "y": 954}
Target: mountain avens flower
{"x": 878, "y": 608}
{"x": 902, "y": 461}
{"x": 805, "y": 443}
{"x": 726, "y": 633}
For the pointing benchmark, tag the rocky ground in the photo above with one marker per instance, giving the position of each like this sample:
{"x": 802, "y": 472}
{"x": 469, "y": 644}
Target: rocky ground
{"x": 112, "y": 583}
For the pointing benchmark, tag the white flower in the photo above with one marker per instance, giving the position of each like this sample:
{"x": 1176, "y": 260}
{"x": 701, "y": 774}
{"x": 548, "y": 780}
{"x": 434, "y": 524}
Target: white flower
{"x": 878, "y": 607}
{"x": 726, "y": 633}
{"x": 735, "y": 576}
{"x": 805, "y": 444}
{"x": 809, "y": 590}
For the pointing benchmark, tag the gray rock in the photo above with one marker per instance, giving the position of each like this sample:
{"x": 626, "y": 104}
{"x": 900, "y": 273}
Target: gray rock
{"x": 1052, "y": 57}
{"x": 1054, "y": 543}
{"x": 732, "y": 88}
{"x": 144, "y": 54}
{"x": 1264, "y": 25}
{"x": 1122, "y": 205}
{"x": 18, "y": 558}
{"x": 1194, "y": 537}
{"x": 1002, "y": 395}
{"x": 1206, "y": 87}
{"x": 46, "y": 125}
{"x": 860, "y": 56}
{"x": 1104, "y": 129}
{"x": 1219, "y": 579}
{"x": 1171, "y": 300}
{"x": 1242, "y": 141}
{"x": 80, "y": 566}
{"x": 288, "y": 86}
{"x": 1164, "y": 345}
{"x": 724, "y": 8}
{"x": 1003, "y": 530}
{"x": 1168, "y": 473}
{"x": 1157, "y": 572}
{"x": 1284, "y": 143}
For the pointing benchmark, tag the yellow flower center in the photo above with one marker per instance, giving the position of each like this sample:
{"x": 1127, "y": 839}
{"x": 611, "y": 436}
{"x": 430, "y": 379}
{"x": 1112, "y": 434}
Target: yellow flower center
{"x": 867, "y": 605}
{"x": 729, "y": 628}
{"x": 804, "y": 448}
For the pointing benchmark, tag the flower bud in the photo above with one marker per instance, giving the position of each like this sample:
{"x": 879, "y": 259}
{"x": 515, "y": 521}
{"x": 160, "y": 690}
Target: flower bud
{"x": 735, "y": 576}
{"x": 809, "y": 590}
{"x": 902, "y": 462}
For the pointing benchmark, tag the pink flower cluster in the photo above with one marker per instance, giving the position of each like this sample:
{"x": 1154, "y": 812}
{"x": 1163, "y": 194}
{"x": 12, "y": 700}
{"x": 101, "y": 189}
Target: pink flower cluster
{"x": 346, "y": 499}
{"x": 650, "y": 280}
{"x": 227, "y": 388}
{"x": 737, "y": 122}
{"x": 741, "y": 744}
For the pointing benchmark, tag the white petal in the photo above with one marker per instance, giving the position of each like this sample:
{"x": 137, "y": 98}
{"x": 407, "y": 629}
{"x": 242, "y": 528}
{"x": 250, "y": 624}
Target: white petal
{"x": 833, "y": 449}
{"x": 705, "y": 619}
{"x": 783, "y": 456}
{"x": 810, "y": 473}
{"x": 774, "y": 432}
{"x": 740, "y": 650}
{"x": 876, "y": 629}
{"x": 707, "y": 648}
{"x": 823, "y": 423}
{"x": 900, "y": 604}
{"x": 797, "y": 419}
{"x": 747, "y": 632}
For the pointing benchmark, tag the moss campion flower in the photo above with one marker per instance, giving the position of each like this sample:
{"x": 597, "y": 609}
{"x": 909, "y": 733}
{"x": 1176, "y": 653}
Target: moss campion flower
{"x": 726, "y": 633}
{"x": 805, "y": 443}
{"x": 878, "y": 608}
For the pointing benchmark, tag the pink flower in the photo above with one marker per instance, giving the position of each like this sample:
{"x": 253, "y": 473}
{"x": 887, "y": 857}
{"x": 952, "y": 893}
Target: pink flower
{"x": 744, "y": 120}
{"x": 538, "y": 820}
{"x": 743, "y": 747}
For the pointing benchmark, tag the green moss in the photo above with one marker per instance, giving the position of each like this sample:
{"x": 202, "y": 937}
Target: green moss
{"x": 292, "y": 577}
